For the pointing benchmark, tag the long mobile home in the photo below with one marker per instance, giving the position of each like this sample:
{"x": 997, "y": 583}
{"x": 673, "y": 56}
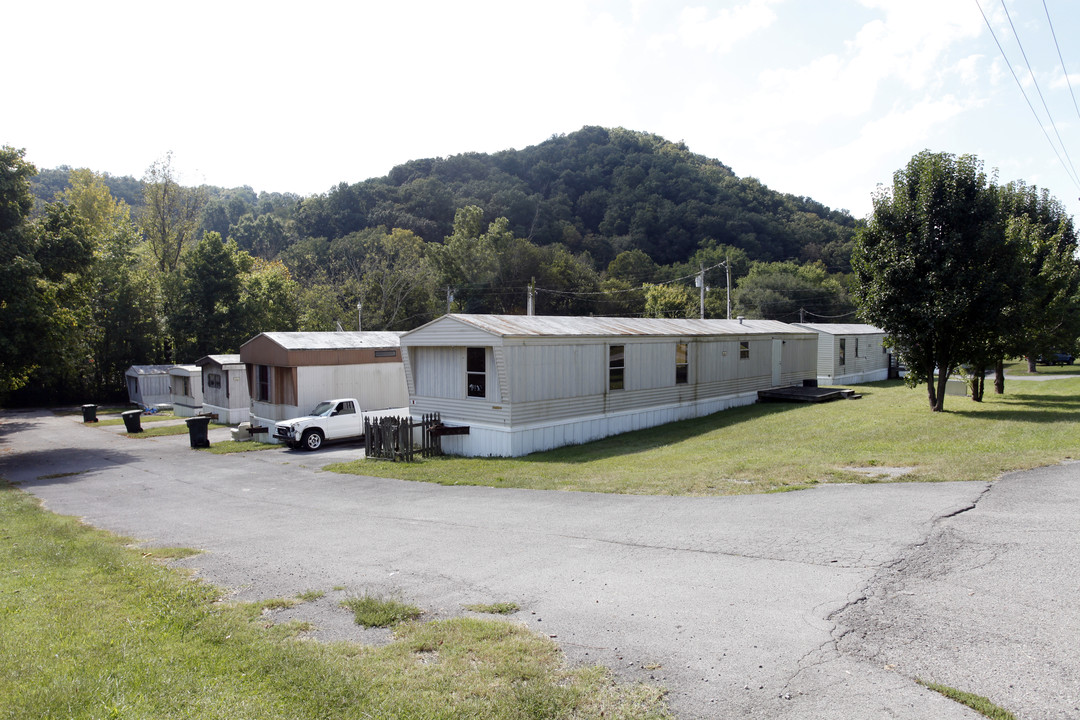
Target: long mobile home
{"x": 528, "y": 383}
{"x": 850, "y": 353}
{"x": 289, "y": 372}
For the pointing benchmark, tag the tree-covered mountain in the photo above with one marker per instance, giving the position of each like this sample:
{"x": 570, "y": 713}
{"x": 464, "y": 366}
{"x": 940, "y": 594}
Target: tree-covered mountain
{"x": 598, "y": 190}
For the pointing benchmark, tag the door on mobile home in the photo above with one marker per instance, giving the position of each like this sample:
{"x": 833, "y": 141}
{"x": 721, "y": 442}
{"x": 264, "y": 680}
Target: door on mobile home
{"x": 777, "y": 358}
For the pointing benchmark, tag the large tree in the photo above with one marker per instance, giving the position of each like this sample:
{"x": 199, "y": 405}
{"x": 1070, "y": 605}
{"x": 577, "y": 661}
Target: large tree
{"x": 931, "y": 265}
{"x": 1046, "y": 315}
{"x": 20, "y": 312}
{"x": 171, "y": 216}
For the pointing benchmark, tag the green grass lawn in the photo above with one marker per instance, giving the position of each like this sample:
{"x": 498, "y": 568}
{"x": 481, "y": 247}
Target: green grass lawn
{"x": 91, "y": 628}
{"x": 771, "y": 447}
{"x": 1020, "y": 367}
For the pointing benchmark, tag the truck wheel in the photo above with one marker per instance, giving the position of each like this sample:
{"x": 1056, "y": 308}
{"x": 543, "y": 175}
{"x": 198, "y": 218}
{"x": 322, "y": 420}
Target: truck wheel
{"x": 312, "y": 439}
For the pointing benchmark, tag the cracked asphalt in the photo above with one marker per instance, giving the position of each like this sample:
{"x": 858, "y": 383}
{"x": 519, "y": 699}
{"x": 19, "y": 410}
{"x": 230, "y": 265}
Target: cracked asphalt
{"x": 825, "y": 603}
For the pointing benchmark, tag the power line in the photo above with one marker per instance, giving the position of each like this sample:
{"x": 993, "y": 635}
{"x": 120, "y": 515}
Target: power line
{"x": 1060, "y": 58}
{"x": 1022, "y": 92}
{"x": 1031, "y": 72}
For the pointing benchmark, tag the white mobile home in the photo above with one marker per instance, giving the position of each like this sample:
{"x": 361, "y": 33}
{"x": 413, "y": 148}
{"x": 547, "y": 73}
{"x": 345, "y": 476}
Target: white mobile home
{"x": 289, "y": 372}
{"x": 148, "y": 385}
{"x": 528, "y": 383}
{"x": 224, "y": 388}
{"x": 850, "y": 353}
{"x": 185, "y": 388}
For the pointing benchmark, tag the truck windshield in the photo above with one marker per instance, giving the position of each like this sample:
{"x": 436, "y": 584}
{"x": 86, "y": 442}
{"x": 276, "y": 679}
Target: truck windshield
{"x": 323, "y": 408}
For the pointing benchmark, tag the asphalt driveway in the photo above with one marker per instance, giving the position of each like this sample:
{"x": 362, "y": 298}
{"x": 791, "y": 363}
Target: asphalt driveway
{"x": 815, "y": 604}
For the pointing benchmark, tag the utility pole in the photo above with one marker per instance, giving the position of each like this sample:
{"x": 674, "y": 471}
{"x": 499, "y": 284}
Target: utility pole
{"x": 449, "y": 298}
{"x": 727, "y": 266}
{"x": 530, "y": 303}
{"x": 701, "y": 285}
{"x": 801, "y": 313}
{"x": 360, "y": 316}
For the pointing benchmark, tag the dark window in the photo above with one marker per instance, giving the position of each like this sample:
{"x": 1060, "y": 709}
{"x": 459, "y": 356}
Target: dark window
{"x": 843, "y": 350}
{"x": 213, "y": 380}
{"x": 744, "y": 349}
{"x": 476, "y": 371}
{"x": 262, "y": 390}
{"x": 386, "y": 353}
{"x": 682, "y": 366}
{"x": 856, "y": 347}
{"x": 616, "y": 367}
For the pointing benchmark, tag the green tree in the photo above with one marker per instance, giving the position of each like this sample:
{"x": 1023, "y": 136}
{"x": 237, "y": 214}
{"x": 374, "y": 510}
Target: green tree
{"x": 21, "y": 313}
{"x": 671, "y": 301}
{"x": 928, "y": 266}
{"x": 171, "y": 215}
{"x": 1046, "y": 313}
{"x": 203, "y": 300}
{"x": 788, "y": 291}
{"x": 397, "y": 281}
{"x": 269, "y": 297}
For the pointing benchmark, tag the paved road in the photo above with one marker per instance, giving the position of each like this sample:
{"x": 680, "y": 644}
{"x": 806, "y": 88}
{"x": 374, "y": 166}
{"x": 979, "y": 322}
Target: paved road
{"x": 815, "y": 604}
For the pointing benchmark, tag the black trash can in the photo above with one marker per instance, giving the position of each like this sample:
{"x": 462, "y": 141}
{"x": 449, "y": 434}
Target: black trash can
{"x": 197, "y": 429}
{"x": 132, "y": 420}
{"x": 89, "y": 413}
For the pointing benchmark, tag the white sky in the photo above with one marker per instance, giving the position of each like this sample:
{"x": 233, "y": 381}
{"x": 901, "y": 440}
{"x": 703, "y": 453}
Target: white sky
{"x": 824, "y": 98}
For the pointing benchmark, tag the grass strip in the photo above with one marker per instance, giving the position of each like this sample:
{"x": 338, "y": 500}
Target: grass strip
{"x": 93, "y": 629}
{"x": 978, "y": 703}
{"x": 499, "y": 608}
{"x": 160, "y": 431}
{"x": 239, "y": 446}
{"x": 376, "y": 611}
{"x": 890, "y": 434}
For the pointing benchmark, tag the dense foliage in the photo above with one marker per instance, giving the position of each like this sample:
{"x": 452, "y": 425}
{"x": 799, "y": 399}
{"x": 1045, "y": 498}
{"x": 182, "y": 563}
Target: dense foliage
{"x": 108, "y": 272}
{"x": 960, "y": 272}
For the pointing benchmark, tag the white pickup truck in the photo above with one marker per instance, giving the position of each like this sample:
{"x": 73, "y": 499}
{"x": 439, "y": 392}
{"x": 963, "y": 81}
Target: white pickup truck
{"x": 331, "y": 420}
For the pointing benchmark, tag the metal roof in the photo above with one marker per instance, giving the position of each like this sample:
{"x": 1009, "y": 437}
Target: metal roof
{"x": 333, "y": 340}
{"x": 222, "y": 360}
{"x": 554, "y": 326}
{"x": 185, "y": 368}
{"x": 842, "y": 328}
{"x": 148, "y": 370}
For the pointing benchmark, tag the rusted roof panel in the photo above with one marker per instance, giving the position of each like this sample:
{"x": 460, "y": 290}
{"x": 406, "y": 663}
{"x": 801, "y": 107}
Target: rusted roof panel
{"x": 553, "y": 326}
{"x": 842, "y": 328}
{"x": 333, "y": 340}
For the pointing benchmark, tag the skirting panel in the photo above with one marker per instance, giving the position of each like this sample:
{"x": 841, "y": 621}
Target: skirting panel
{"x": 229, "y": 416}
{"x": 485, "y": 441}
{"x": 855, "y": 378}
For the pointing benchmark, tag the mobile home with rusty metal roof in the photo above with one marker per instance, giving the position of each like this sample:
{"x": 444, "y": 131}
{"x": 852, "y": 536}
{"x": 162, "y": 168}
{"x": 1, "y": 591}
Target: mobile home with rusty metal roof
{"x": 527, "y": 383}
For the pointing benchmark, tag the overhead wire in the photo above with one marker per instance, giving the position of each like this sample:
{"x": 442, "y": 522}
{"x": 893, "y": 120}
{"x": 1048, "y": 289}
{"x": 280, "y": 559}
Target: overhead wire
{"x": 1060, "y": 58}
{"x": 1035, "y": 82}
{"x": 1020, "y": 85}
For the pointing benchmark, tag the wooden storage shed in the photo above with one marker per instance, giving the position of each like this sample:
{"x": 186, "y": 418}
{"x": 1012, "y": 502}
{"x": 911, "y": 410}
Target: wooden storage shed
{"x": 148, "y": 385}
{"x": 288, "y": 373}
{"x": 185, "y": 387}
{"x": 528, "y": 383}
{"x": 225, "y": 389}
{"x": 850, "y": 353}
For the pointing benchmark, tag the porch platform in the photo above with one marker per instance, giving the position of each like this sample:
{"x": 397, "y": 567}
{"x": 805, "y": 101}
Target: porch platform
{"x": 804, "y": 394}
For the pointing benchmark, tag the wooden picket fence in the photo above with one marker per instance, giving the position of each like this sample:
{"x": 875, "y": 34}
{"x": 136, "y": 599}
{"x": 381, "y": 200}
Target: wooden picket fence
{"x": 391, "y": 438}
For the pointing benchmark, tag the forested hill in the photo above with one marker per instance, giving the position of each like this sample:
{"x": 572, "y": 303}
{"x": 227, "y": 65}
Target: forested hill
{"x": 597, "y": 190}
